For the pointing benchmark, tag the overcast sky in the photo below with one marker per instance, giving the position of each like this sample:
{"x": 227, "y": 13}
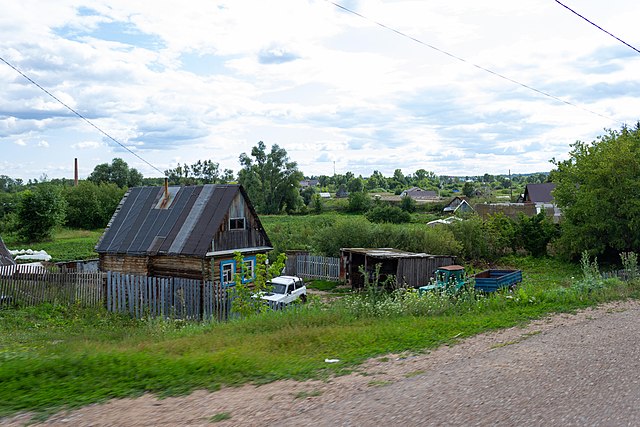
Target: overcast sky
{"x": 178, "y": 82}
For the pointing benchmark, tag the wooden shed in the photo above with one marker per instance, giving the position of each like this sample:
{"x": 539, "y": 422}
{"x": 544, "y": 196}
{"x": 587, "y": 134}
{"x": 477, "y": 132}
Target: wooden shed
{"x": 410, "y": 269}
{"x": 190, "y": 232}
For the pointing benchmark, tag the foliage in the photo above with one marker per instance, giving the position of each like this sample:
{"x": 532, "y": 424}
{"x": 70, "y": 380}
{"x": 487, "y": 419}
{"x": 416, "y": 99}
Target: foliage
{"x": 118, "y": 172}
{"x": 91, "y": 206}
{"x": 245, "y": 302}
{"x": 598, "y": 190}
{"x": 271, "y": 180}
{"x": 39, "y": 212}
{"x": 53, "y": 357}
{"x": 468, "y": 190}
{"x": 388, "y": 213}
{"x": 407, "y": 204}
{"x": 201, "y": 172}
{"x": 346, "y": 232}
{"x": 359, "y": 202}
{"x": 536, "y": 232}
{"x": 630, "y": 264}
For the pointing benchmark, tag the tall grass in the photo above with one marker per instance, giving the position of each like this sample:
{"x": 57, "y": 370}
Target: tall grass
{"x": 53, "y": 357}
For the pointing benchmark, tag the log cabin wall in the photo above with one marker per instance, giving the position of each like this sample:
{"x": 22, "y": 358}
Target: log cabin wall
{"x": 179, "y": 266}
{"x": 124, "y": 263}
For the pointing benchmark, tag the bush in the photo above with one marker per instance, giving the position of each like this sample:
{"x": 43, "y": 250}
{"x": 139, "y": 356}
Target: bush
{"x": 39, "y": 212}
{"x": 387, "y": 213}
{"x": 359, "y": 202}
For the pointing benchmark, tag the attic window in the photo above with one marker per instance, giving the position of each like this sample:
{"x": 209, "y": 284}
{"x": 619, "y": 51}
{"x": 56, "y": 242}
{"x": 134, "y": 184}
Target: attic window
{"x": 236, "y": 223}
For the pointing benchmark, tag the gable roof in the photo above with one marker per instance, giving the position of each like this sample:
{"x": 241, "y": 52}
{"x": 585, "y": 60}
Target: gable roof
{"x": 539, "y": 193}
{"x": 185, "y": 226}
{"x": 5, "y": 256}
{"x": 420, "y": 194}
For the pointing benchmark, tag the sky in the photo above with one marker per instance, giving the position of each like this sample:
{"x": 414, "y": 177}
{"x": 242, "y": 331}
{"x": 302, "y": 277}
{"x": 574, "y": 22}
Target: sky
{"x": 406, "y": 85}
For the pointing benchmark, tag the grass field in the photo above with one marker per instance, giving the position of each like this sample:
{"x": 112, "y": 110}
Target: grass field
{"x": 67, "y": 244}
{"x": 53, "y": 357}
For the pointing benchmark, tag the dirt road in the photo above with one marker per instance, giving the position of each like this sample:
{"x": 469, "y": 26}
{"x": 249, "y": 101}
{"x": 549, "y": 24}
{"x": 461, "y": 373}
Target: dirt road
{"x": 581, "y": 369}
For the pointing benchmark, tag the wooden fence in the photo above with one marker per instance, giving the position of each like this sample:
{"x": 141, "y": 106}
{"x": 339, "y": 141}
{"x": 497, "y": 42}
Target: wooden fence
{"x": 317, "y": 267}
{"x": 177, "y": 298}
{"x": 31, "y": 285}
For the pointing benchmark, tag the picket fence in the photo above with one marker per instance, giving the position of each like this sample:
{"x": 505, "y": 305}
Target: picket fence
{"x": 31, "y": 285}
{"x": 317, "y": 267}
{"x": 167, "y": 297}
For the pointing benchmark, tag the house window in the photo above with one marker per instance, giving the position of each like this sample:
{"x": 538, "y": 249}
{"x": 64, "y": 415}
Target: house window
{"x": 227, "y": 271}
{"x": 250, "y": 269}
{"x": 236, "y": 223}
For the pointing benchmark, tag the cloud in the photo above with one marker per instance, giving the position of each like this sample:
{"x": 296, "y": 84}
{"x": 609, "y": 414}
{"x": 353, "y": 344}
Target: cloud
{"x": 84, "y": 145}
{"x": 276, "y": 55}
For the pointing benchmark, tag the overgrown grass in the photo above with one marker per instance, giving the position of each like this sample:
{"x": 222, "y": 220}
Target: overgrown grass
{"x": 54, "y": 357}
{"x": 67, "y": 244}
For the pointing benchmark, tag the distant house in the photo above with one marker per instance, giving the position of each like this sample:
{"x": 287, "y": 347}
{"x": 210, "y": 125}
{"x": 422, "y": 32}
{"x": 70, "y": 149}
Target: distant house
{"x": 542, "y": 198}
{"x": 309, "y": 183}
{"x": 190, "y": 232}
{"x": 342, "y": 193}
{"x": 458, "y": 204}
{"x": 418, "y": 194}
{"x": 5, "y": 255}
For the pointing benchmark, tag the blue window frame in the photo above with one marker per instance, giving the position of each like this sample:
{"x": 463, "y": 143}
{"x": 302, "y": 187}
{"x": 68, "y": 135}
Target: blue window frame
{"x": 250, "y": 269}
{"x": 227, "y": 271}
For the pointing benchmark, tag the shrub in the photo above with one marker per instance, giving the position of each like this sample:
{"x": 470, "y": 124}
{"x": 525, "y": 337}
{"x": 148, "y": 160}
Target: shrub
{"x": 387, "y": 213}
{"x": 39, "y": 212}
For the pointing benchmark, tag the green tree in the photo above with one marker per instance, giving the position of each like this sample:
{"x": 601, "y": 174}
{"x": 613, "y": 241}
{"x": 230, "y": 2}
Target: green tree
{"x": 118, "y": 172}
{"x": 90, "y": 206}
{"x": 201, "y": 172}
{"x": 39, "y": 212}
{"x": 271, "y": 179}
{"x": 359, "y": 202}
{"x": 598, "y": 191}
{"x": 407, "y": 204}
{"x": 468, "y": 190}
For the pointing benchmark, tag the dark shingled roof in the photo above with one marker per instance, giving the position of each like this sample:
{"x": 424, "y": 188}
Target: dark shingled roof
{"x": 5, "y": 256}
{"x": 185, "y": 227}
{"x": 539, "y": 193}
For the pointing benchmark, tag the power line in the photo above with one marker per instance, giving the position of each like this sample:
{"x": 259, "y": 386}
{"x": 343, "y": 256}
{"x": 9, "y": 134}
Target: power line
{"x": 458, "y": 58}
{"x": 596, "y": 25}
{"x": 78, "y": 114}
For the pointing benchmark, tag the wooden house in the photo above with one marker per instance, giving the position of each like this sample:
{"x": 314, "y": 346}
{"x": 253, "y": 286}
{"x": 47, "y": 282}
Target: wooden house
{"x": 189, "y": 232}
{"x": 409, "y": 269}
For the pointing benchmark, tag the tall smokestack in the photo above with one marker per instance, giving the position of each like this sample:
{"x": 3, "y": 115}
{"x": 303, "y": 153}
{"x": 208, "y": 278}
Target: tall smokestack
{"x": 75, "y": 174}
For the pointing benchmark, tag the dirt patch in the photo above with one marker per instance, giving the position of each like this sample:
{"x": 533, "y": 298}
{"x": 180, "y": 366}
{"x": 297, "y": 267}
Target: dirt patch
{"x": 278, "y": 402}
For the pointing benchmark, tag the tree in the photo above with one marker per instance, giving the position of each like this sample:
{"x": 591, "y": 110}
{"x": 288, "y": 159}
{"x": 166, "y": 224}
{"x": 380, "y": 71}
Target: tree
{"x": 40, "y": 210}
{"x": 271, "y": 179}
{"x": 408, "y": 204}
{"x": 598, "y": 191}
{"x": 201, "y": 172}
{"x": 359, "y": 202}
{"x": 388, "y": 213}
{"x": 90, "y": 206}
{"x": 118, "y": 172}
{"x": 467, "y": 189}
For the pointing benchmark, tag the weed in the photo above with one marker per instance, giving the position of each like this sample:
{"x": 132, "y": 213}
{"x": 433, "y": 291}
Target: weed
{"x": 220, "y": 416}
{"x": 414, "y": 373}
{"x": 306, "y": 394}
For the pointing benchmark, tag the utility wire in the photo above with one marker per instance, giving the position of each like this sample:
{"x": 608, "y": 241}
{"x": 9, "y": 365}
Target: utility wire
{"x": 78, "y": 114}
{"x": 597, "y": 26}
{"x": 451, "y": 55}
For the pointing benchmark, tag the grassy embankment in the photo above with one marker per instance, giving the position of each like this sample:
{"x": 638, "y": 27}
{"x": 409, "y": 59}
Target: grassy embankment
{"x": 56, "y": 357}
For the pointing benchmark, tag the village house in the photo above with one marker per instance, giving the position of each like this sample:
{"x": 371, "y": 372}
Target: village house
{"x": 458, "y": 205}
{"x": 188, "y": 232}
{"x": 418, "y": 194}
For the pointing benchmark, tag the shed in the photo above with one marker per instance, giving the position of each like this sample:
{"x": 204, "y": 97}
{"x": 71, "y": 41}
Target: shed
{"x": 458, "y": 204}
{"x": 189, "y": 232}
{"x": 410, "y": 269}
{"x": 5, "y": 255}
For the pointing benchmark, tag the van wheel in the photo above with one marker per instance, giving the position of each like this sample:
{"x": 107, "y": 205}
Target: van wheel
{"x": 303, "y": 298}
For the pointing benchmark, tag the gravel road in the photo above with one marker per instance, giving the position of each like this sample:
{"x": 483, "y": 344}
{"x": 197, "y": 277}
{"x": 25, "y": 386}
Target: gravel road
{"x": 570, "y": 369}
